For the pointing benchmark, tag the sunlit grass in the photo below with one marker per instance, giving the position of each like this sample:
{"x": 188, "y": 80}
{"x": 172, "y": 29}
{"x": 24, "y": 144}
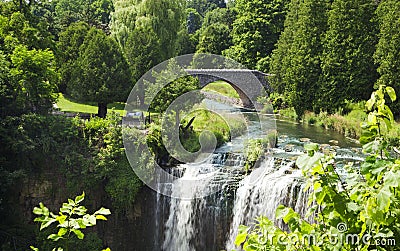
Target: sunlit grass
{"x": 223, "y": 128}
{"x": 67, "y": 105}
{"x": 223, "y": 88}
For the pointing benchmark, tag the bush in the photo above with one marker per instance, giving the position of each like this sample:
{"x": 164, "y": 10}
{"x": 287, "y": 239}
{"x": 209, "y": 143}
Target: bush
{"x": 86, "y": 155}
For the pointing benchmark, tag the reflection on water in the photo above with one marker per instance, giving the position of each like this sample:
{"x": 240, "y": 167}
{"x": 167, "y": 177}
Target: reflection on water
{"x": 315, "y": 133}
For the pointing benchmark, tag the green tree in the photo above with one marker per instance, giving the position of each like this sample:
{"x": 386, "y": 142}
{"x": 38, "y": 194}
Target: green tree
{"x": 214, "y": 39}
{"x": 94, "y": 12}
{"x": 28, "y": 78}
{"x": 280, "y": 60}
{"x": 101, "y": 72}
{"x": 34, "y": 71}
{"x": 165, "y": 17}
{"x": 16, "y": 29}
{"x": 256, "y": 30}
{"x": 147, "y": 31}
{"x": 187, "y": 43}
{"x": 296, "y": 61}
{"x": 8, "y": 90}
{"x": 215, "y": 34}
{"x": 387, "y": 54}
{"x": 347, "y": 62}
{"x": 220, "y": 15}
{"x": 145, "y": 54}
{"x": 204, "y": 6}
{"x": 68, "y": 47}
{"x": 175, "y": 87}
{"x": 171, "y": 91}
{"x": 45, "y": 14}
{"x": 194, "y": 20}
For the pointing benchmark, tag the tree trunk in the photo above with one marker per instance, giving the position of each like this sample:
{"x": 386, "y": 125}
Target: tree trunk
{"x": 189, "y": 124}
{"x": 102, "y": 111}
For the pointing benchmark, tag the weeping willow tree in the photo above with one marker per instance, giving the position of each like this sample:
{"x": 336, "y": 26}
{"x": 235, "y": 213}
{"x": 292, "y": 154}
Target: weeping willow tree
{"x": 162, "y": 18}
{"x": 147, "y": 31}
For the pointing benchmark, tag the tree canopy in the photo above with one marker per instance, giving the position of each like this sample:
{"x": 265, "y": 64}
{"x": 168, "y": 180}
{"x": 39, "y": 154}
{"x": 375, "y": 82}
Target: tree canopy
{"x": 349, "y": 71}
{"x": 295, "y": 63}
{"x": 256, "y": 30}
{"x": 387, "y": 54}
{"x": 101, "y": 73}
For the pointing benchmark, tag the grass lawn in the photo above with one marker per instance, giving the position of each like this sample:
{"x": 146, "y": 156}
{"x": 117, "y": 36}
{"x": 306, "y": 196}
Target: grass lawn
{"x": 222, "y": 88}
{"x": 68, "y": 105}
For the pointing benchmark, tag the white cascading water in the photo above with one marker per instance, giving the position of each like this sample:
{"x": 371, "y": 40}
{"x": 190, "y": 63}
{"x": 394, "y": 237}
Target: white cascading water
{"x": 261, "y": 192}
{"x": 181, "y": 224}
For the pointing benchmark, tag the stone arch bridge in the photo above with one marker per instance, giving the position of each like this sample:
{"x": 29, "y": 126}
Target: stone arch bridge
{"x": 249, "y": 84}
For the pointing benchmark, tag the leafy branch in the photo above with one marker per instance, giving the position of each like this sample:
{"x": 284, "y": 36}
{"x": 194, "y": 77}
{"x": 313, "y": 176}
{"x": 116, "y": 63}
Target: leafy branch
{"x": 72, "y": 217}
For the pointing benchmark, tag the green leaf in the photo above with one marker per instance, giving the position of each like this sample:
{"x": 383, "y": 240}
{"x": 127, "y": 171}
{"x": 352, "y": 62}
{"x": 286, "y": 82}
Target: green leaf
{"x": 61, "y": 218}
{"x": 371, "y": 147}
{"x": 62, "y": 231}
{"x": 37, "y": 211}
{"x": 290, "y": 216}
{"x": 392, "y": 178}
{"x": 89, "y": 220}
{"x": 78, "y": 233}
{"x": 317, "y": 169}
{"x": 81, "y": 223}
{"x": 71, "y": 202}
{"x": 45, "y": 210}
{"x": 47, "y": 223}
{"x": 65, "y": 210}
{"x": 80, "y": 198}
{"x": 306, "y": 162}
{"x": 54, "y": 237}
{"x": 370, "y": 103}
{"x": 81, "y": 210}
{"x": 392, "y": 94}
{"x": 103, "y": 211}
{"x": 241, "y": 237}
{"x": 383, "y": 199}
{"x": 100, "y": 217}
{"x": 351, "y": 206}
{"x": 33, "y": 248}
{"x": 281, "y": 211}
{"x": 387, "y": 123}
{"x": 320, "y": 195}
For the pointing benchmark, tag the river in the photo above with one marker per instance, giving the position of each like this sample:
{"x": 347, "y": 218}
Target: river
{"x": 233, "y": 198}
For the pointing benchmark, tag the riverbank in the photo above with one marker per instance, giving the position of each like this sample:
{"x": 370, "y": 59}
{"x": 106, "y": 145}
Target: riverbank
{"x": 347, "y": 125}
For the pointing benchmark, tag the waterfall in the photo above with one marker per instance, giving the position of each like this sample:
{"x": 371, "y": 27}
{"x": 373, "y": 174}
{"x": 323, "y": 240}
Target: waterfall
{"x": 261, "y": 192}
{"x": 180, "y": 226}
{"x": 192, "y": 222}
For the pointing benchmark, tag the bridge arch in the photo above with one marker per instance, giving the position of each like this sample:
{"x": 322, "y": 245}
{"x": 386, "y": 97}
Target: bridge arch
{"x": 249, "y": 84}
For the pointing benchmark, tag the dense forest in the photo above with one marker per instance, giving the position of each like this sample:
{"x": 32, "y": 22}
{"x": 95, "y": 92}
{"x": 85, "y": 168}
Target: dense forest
{"x": 322, "y": 55}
